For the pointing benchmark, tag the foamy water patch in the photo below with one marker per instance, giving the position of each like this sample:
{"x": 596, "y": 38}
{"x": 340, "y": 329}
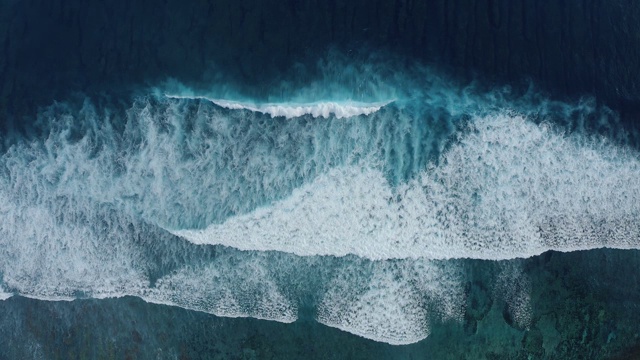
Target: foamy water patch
{"x": 506, "y": 188}
{"x": 4, "y": 295}
{"x": 382, "y": 310}
{"x": 80, "y": 209}
{"x": 513, "y": 287}
{"x": 58, "y": 243}
{"x": 395, "y": 304}
{"x": 58, "y": 248}
{"x": 227, "y": 287}
{"x": 325, "y": 109}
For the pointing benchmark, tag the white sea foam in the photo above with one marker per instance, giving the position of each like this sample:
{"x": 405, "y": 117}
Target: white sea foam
{"x": 60, "y": 251}
{"x": 240, "y": 289}
{"x": 75, "y": 249}
{"x": 392, "y": 304}
{"x": 507, "y": 188}
{"x": 4, "y": 295}
{"x": 325, "y": 109}
{"x": 385, "y": 310}
{"x": 58, "y": 243}
{"x": 83, "y": 212}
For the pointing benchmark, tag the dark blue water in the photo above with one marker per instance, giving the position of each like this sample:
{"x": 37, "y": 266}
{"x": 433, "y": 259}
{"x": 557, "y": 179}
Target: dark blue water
{"x": 302, "y": 180}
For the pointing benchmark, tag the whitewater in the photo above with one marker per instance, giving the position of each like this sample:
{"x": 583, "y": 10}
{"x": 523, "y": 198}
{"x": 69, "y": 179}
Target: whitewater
{"x": 358, "y": 212}
{"x": 325, "y": 109}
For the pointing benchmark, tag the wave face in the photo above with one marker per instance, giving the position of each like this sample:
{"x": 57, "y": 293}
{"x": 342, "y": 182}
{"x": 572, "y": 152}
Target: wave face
{"x": 359, "y": 218}
{"x": 325, "y": 109}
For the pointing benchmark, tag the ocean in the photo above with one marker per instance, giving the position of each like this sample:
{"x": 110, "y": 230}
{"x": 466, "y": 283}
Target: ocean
{"x": 319, "y": 179}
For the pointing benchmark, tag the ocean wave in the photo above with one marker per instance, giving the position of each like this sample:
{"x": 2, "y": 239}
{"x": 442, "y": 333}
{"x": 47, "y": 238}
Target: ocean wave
{"x": 4, "y": 295}
{"x": 325, "y": 109}
{"x": 358, "y": 221}
{"x": 507, "y": 188}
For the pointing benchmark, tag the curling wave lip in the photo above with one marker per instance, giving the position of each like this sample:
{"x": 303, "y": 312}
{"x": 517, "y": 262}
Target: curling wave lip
{"x": 325, "y": 109}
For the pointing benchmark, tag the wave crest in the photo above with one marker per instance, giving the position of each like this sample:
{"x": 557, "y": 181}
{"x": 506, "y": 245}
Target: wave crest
{"x": 325, "y": 109}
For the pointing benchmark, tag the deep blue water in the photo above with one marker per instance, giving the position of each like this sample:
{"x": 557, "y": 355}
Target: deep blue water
{"x": 207, "y": 182}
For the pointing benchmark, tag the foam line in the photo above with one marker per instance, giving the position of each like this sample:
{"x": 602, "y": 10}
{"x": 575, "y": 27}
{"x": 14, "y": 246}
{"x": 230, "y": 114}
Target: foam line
{"x": 388, "y": 311}
{"x": 325, "y": 109}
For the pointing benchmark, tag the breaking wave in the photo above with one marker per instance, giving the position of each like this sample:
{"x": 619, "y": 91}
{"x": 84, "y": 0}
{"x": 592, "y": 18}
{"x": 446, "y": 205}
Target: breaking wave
{"x": 325, "y": 109}
{"x": 506, "y": 188}
{"x": 357, "y": 220}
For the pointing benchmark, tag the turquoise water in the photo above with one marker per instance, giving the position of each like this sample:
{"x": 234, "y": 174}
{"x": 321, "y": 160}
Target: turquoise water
{"x": 367, "y": 223}
{"x": 357, "y": 201}
{"x": 573, "y": 316}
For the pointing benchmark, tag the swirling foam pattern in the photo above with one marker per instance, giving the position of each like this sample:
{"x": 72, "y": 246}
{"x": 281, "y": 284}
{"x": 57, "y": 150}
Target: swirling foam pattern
{"x": 357, "y": 220}
{"x": 506, "y": 188}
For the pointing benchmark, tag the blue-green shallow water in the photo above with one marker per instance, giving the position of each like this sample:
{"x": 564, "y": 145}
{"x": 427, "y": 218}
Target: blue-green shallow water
{"x": 581, "y": 308}
{"x": 288, "y": 179}
{"x": 412, "y": 226}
